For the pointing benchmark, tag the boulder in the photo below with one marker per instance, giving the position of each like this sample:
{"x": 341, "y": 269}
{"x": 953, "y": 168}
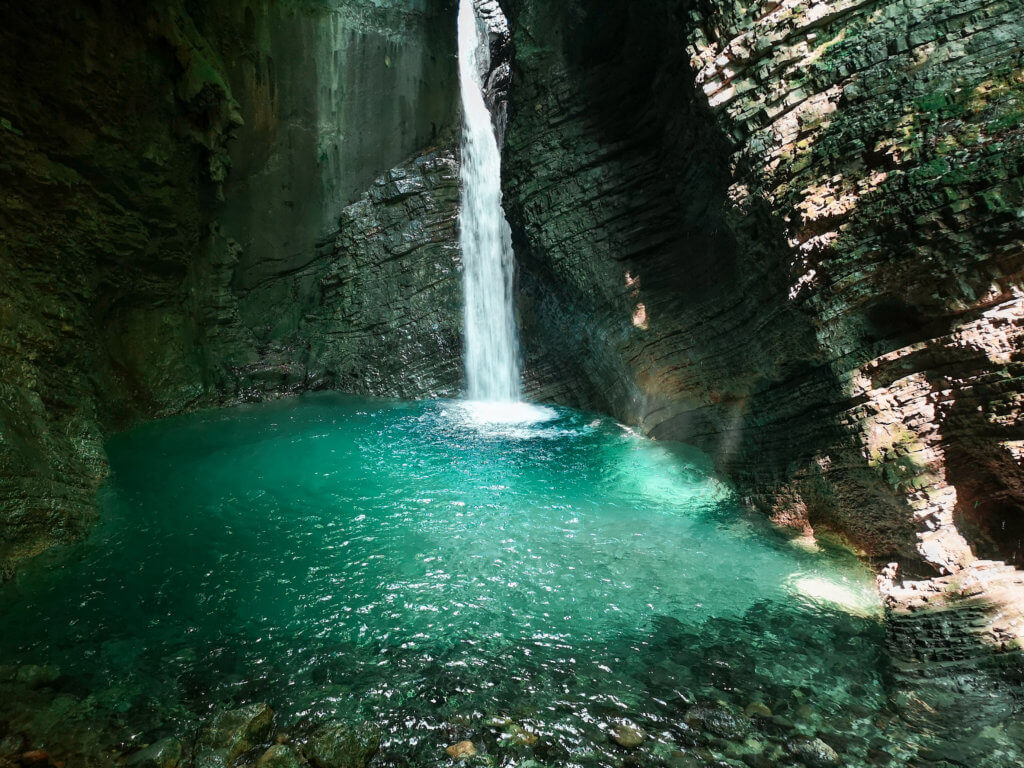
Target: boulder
{"x": 279, "y": 756}
{"x": 234, "y": 732}
{"x": 165, "y": 753}
{"x": 814, "y": 753}
{"x": 340, "y": 744}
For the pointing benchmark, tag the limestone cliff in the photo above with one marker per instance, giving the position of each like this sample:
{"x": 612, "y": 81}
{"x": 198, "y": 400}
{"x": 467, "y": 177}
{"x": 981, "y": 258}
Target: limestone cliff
{"x": 173, "y": 176}
{"x": 790, "y": 233}
{"x": 793, "y": 234}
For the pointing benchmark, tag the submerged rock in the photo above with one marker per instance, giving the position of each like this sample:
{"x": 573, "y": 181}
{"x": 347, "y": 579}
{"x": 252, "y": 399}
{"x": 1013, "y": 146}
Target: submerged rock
{"x": 757, "y": 709}
{"x": 233, "y": 732}
{"x": 35, "y": 674}
{"x": 805, "y": 713}
{"x": 11, "y": 745}
{"x": 340, "y": 744}
{"x": 683, "y": 760}
{"x": 519, "y": 735}
{"x": 628, "y": 735}
{"x": 717, "y": 719}
{"x": 165, "y": 753}
{"x": 814, "y": 753}
{"x": 461, "y": 751}
{"x": 279, "y": 756}
{"x": 207, "y": 758}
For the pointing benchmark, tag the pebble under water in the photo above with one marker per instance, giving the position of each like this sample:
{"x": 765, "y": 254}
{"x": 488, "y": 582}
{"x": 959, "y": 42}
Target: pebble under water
{"x": 522, "y": 585}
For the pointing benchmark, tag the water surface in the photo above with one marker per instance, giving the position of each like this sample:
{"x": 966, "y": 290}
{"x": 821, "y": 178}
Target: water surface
{"x": 414, "y": 564}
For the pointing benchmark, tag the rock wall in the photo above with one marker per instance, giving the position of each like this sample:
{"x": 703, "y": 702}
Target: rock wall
{"x": 791, "y": 233}
{"x": 173, "y": 177}
{"x": 957, "y": 650}
{"x": 378, "y": 309}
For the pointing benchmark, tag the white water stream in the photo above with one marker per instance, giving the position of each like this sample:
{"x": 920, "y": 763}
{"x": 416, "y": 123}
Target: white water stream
{"x": 492, "y": 347}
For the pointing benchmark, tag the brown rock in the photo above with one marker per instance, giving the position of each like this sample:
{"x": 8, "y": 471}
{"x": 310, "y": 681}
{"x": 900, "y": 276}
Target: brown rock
{"x": 628, "y": 735}
{"x": 524, "y": 736}
{"x": 461, "y": 751}
{"x": 757, "y": 709}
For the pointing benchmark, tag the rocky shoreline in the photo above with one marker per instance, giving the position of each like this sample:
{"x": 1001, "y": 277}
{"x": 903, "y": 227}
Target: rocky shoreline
{"x": 47, "y": 723}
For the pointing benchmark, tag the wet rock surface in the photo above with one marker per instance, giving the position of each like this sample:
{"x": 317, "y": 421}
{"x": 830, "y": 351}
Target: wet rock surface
{"x": 765, "y": 230}
{"x": 343, "y": 745}
{"x": 791, "y": 234}
{"x": 165, "y": 753}
{"x": 235, "y": 732}
{"x": 814, "y": 753}
{"x": 376, "y": 311}
{"x": 163, "y": 207}
{"x": 279, "y": 756}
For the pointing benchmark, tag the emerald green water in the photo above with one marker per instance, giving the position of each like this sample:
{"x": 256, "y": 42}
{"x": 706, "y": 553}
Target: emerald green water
{"x": 406, "y": 563}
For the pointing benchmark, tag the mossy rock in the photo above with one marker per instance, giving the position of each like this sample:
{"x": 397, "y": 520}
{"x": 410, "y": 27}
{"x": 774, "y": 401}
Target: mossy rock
{"x": 340, "y": 744}
{"x": 234, "y": 732}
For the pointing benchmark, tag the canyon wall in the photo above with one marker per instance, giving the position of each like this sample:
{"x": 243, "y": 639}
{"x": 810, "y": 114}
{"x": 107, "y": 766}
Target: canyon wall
{"x": 791, "y": 233}
{"x": 197, "y": 210}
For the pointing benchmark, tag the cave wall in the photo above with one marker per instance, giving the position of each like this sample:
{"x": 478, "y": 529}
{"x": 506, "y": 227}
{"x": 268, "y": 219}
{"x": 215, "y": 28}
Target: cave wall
{"x": 791, "y": 233}
{"x": 211, "y": 202}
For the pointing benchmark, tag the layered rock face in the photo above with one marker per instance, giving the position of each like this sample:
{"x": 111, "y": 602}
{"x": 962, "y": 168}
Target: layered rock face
{"x": 791, "y": 233}
{"x": 173, "y": 178}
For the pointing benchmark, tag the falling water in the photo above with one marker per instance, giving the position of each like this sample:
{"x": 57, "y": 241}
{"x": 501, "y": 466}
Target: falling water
{"x": 492, "y": 350}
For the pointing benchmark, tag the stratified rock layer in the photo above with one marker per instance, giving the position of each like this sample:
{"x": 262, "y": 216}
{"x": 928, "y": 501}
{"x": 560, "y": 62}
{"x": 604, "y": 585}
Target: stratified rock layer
{"x": 173, "y": 175}
{"x": 792, "y": 234}
{"x": 377, "y": 311}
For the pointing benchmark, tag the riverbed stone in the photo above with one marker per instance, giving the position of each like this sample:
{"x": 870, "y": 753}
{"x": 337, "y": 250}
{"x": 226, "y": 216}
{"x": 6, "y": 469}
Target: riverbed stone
{"x": 814, "y": 753}
{"x": 230, "y": 733}
{"x": 520, "y": 735}
{"x": 757, "y": 709}
{"x": 463, "y": 750}
{"x": 165, "y": 753}
{"x": 279, "y": 756}
{"x": 718, "y": 719}
{"x": 627, "y": 734}
{"x": 342, "y": 744}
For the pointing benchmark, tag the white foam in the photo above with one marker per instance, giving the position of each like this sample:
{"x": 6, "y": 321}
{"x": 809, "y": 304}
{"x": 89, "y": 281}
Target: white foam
{"x": 492, "y": 346}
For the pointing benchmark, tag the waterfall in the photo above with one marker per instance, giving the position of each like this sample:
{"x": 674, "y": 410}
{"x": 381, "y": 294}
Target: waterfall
{"x": 492, "y": 348}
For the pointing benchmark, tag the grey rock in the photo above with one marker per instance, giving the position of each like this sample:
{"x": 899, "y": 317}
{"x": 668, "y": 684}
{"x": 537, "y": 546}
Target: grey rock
{"x": 279, "y": 756}
{"x": 165, "y": 753}
{"x": 233, "y": 732}
{"x": 814, "y": 753}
